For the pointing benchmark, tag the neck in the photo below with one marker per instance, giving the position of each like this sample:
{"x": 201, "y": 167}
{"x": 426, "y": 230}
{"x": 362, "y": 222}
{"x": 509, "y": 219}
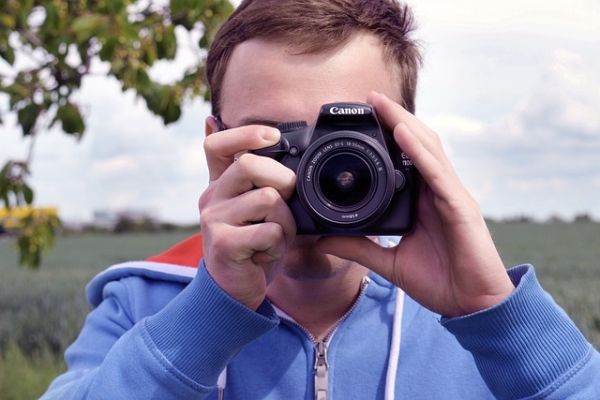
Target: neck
{"x": 317, "y": 304}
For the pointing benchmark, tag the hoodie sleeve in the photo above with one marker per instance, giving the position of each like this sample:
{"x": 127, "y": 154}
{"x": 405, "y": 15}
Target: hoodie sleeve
{"x": 527, "y": 347}
{"x": 176, "y": 353}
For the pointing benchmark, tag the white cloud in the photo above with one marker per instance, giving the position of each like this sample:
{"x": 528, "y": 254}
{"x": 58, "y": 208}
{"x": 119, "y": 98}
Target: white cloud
{"x": 561, "y": 111}
{"x": 578, "y": 17}
{"x": 536, "y": 184}
{"x": 115, "y": 167}
{"x": 452, "y": 124}
{"x": 541, "y": 157}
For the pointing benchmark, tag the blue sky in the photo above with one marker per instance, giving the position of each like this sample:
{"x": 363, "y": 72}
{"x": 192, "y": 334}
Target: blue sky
{"x": 512, "y": 88}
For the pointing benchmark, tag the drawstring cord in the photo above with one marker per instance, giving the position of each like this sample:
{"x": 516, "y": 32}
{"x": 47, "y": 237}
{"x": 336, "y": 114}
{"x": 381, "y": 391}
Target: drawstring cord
{"x": 392, "y": 369}
{"x": 221, "y": 383}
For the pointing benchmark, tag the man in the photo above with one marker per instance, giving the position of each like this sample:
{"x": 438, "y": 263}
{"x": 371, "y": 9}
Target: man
{"x": 272, "y": 315}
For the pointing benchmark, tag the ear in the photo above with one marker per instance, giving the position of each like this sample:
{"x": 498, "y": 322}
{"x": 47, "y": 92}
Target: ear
{"x": 210, "y": 125}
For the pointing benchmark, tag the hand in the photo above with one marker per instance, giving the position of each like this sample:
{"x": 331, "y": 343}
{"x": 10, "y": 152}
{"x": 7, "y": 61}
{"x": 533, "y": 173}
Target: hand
{"x": 449, "y": 263}
{"x": 245, "y": 222}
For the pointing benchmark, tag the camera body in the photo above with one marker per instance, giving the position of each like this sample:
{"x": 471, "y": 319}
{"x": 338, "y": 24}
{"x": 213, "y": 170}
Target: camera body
{"x": 352, "y": 178}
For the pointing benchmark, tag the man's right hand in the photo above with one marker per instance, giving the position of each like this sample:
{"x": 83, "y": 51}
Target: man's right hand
{"x": 244, "y": 219}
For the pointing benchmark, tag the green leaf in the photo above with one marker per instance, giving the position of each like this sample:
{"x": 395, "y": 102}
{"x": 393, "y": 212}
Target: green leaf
{"x": 153, "y": 94}
{"x": 149, "y": 53}
{"x": 71, "y": 119}
{"x": 5, "y": 184}
{"x": 52, "y": 19}
{"x": 7, "y": 53}
{"x": 171, "y": 113}
{"x": 27, "y": 194}
{"x": 88, "y": 25}
{"x": 16, "y": 92}
{"x": 7, "y": 21}
{"x": 27, "y": 116}
{"x": 142, "y": 79}
{"x": 108, "y": 48}
{"x": 166, "y": 44}
{"x": 204, "y": 41}
{"x": 115, "y": 6}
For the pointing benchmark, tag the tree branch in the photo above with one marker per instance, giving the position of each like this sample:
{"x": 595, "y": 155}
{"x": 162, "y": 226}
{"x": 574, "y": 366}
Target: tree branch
{"x": 31, "y": 38}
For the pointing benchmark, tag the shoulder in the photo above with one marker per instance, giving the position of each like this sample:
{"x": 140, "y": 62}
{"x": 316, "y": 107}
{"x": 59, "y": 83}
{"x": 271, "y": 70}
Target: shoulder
{"x": 145, "y": 286}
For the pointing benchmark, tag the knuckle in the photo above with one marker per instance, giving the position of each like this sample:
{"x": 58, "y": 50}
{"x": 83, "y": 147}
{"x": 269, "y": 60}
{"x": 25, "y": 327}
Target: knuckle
{"x": 206, "y": 216}
{"x": 265, "y": 132}
{"x": 205, "y": 198}
{"x": 474, "y": 208}
{"x": 399, "y": 128}
{"x": 269, "y": 195}
{"x": 246, "y": 161}
{"x": 273, "y": 232}
{"x": 209, "y": 144}
{"x": 291, "y": 177}
{"x": 466, "y": 208}
{"x": 220, "y": 240}
{"x": 219, "y": 245}
{"x": 291, "y": 186}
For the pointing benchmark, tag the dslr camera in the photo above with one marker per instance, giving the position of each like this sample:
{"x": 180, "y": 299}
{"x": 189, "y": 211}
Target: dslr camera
{"x": 352, "y": 178}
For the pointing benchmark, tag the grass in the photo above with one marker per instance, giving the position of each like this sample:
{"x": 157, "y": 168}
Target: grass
{"x": 24, "y": 377}
{"x": 567, "y": 261}
{"x": 42, "y": 311}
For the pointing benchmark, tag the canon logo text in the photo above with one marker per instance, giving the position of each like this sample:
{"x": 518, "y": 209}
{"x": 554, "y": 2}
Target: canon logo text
{"x": 347, "y": 111}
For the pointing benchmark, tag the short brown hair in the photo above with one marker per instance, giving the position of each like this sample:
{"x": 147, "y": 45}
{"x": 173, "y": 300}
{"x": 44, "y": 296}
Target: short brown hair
{"x": 313, "y": 26}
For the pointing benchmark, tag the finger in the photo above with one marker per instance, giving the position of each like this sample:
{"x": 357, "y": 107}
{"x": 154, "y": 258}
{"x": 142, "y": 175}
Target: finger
{"x": 252, "y": 171}
{"x": 269, "y": 254}
{"x": 361, "y": 250}
{"x": 267, "y": 238}
{"x": 257, "y": 206}
{"x": 438, "y": 175}
{"x": 221, "y": 147}
{"x": 420, "y": 144}
{"x": 392, "y": 114}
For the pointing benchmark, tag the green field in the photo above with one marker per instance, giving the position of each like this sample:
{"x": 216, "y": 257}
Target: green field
{"x": 42, "y": 311}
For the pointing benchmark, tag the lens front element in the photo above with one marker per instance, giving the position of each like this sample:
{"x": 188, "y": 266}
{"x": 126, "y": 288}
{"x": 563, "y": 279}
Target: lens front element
{"x": 345, "y": 180}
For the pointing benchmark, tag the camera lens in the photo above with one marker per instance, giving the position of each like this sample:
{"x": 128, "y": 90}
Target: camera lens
{"x": 345, "y": 180}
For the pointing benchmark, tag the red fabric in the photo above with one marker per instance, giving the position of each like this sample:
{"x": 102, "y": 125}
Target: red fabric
{"x": 186, "y": 253}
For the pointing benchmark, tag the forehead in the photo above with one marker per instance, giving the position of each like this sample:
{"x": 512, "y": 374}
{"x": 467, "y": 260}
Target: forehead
{"x": 266, "y": 80}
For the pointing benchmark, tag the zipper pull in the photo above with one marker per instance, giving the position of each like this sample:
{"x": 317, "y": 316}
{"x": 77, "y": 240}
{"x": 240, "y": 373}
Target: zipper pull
{"x": 321, "y": 375}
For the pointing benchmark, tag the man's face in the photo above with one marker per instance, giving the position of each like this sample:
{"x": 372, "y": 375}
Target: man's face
{"x": 265, "y": 83}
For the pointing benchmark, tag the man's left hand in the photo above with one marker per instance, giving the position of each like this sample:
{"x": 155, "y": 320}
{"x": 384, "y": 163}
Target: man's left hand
{"x": 449, "y": 263}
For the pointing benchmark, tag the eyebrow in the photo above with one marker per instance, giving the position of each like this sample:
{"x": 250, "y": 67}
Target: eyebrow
{"x": 258, "y": 121}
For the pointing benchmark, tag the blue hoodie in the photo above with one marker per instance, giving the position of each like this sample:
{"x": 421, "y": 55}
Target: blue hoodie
{"x": 167, "y": 331}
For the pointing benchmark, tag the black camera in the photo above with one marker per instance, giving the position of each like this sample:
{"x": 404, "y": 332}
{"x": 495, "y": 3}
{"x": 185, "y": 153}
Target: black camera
{"x": 352, "y": 178}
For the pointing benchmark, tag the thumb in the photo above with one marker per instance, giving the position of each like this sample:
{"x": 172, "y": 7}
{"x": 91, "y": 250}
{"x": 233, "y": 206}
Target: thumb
{"x": 361, "y": 250}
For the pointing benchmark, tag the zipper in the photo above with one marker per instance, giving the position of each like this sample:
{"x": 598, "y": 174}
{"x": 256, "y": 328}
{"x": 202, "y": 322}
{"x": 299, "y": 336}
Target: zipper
{"x": 320, "y": 371}
{"x": 321, "y": 365}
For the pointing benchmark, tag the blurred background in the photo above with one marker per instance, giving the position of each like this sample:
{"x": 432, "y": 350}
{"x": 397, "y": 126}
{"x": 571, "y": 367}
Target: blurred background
{"x": 512, "y": 88}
